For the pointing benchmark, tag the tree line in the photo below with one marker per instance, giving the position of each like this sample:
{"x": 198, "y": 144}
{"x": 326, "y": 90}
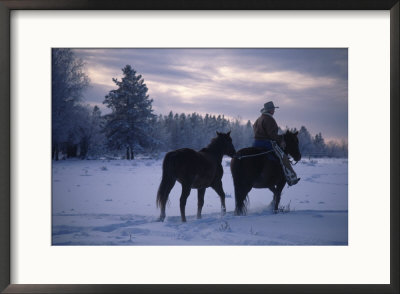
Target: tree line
{"x": 131, "y": 127}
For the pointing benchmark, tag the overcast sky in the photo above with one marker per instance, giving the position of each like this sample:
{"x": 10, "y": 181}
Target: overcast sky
{"x": 309, "y": 85}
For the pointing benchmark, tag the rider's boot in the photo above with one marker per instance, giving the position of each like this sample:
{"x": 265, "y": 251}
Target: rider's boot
{"x": 291, "y": 177}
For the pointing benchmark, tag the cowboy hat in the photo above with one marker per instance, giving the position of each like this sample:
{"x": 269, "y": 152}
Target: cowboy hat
{"x": 268, "y": 106}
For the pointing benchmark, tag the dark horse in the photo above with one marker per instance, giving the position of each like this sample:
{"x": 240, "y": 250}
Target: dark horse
{"x": 261, "y": 171}
{"x": 198, "y": 170}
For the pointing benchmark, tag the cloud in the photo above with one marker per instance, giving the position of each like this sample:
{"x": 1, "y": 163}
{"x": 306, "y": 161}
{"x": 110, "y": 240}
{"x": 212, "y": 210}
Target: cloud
{"x": 102, "y": 76}
{"x": 310, "y": 85}
{"x": 290, "y": 79}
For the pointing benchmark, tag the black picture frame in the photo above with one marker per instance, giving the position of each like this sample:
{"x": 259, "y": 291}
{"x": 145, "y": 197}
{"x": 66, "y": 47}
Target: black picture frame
{"x": 7, "y": 6}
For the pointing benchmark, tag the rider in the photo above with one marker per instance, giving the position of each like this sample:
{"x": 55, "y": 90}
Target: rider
{"x": 266, "y": 135}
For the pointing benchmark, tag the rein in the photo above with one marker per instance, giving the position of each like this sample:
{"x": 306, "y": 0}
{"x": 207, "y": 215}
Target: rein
{"x": 258, "y": 154}
{"x": 252, "y": 155}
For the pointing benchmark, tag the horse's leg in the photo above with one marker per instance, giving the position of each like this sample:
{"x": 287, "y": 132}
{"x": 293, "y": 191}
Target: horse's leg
{"x": 184, "y": 196}
{"x": 277, "y": 194}
{"x": 217, "y": 186}
{"x": 200, "y": 201}
{"x": 276, "y": 198}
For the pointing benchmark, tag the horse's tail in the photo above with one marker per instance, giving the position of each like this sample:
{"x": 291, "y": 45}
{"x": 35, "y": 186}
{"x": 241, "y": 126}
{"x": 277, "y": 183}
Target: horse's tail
{"x": 241, "y": 189}
{"x": 168, "y": 179}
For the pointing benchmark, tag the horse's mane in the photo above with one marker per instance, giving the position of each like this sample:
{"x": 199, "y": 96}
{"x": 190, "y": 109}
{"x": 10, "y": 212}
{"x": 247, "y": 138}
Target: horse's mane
{"x": 213, "y": 146}
{"x": 289, "y": 133}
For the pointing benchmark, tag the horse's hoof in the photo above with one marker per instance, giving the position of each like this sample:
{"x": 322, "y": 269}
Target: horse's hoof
{"x": 294, "y": 182}
{"x": 199, "y": 217}
{"x": 160, "y": 219}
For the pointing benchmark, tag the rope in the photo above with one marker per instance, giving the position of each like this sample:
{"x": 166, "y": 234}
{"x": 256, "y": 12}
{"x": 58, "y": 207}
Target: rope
{"x": 252, "y": 155}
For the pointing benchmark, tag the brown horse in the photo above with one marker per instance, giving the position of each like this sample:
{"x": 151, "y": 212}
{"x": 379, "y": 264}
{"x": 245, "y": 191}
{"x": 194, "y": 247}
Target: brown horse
{"x": 254, "y": 168}
{"x": 195, "y": 170}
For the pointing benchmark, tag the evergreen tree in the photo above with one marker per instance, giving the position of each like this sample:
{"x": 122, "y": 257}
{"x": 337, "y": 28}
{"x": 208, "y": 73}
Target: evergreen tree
{"x": 237, "y": 134}
{"x": 319, "y": 143}
{"x": 170, "y": 130}
{"x": 158, "y": 134}
{"x": 175, "y": 137}
{"x": 305, "y": 141}
{"x": 68, "y": 84}
{"x": 248, "y": 136}
{"x": 78, "y": 139}
{"x": 173, "y": 131}
{"x": 128, "y": 124}
{"x": 95, "y": 138}
{"x": 196, "y": 132}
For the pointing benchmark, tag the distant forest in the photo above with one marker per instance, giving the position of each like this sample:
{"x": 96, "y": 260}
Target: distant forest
{"x": 81, "y": 131}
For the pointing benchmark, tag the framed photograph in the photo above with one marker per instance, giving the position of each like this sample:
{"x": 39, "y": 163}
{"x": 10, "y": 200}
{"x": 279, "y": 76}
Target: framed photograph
{"x": 183, "y": 148}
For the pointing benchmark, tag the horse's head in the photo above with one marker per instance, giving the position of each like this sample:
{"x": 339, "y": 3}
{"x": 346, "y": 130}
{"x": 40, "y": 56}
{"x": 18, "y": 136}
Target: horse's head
{"x": 292, "y": 145}
{"x": 226, "y": 143}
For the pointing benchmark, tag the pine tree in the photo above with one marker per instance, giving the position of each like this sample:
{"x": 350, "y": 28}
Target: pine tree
{"x": 78, "y": 140}
{"x": 305, "y": 141}
{"x": 158, "y": 134}
{"x": 128, "y": 124}
{"x": 95, "y": 137}
{"x": 248, "y": 136}
{"x": 68, "y": 84}
{"x": 196, "y": 131}
{"x": 237, "y": 134}
{"x": 319, "y": 144}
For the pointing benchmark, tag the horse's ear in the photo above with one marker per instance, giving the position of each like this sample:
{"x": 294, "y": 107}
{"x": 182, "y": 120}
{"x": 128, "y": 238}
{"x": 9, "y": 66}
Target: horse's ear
{"x": 296, "y": 133}
{"x": 218, "y": 133}
{"x": 287, "y": 132}
{"x": 228, "y": 133}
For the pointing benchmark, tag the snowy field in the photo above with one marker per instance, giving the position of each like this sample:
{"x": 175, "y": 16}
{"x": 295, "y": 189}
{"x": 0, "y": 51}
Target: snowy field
{"x": 113, "y": 202}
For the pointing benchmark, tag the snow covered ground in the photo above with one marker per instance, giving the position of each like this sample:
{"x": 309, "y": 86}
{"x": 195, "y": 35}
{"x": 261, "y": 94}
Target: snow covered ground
{"x": 113, "y": 202}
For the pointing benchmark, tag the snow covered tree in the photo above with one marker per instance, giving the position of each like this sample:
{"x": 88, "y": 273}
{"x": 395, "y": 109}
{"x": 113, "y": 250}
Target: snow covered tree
{"x": 77, "y": 144}
{"x": 158, "y": 134}
{"x": 93, "y": 141}
{"x": 128, "y": 124}
{"x": 184, "y": 131}
{"x": 319, "y": 144}
{"x": 336, "y": 149}
{"x": 305, "y": 141}
{"x": 174, "y": 131}
{"x": 248, "y": 135}
{"x": 236, "y": 134}
{"x": 68, "y": 84}
{"x": 196, "y": 131}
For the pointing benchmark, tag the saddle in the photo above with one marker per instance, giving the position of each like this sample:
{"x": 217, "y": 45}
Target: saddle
{"x": 266, "y": 145}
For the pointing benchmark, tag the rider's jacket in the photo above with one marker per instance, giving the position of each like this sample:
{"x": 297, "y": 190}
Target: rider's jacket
{"x": 266, "y": 128}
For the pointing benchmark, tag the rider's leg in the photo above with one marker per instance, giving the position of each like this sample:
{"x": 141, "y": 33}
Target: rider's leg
{"x": 290, "y": 174}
